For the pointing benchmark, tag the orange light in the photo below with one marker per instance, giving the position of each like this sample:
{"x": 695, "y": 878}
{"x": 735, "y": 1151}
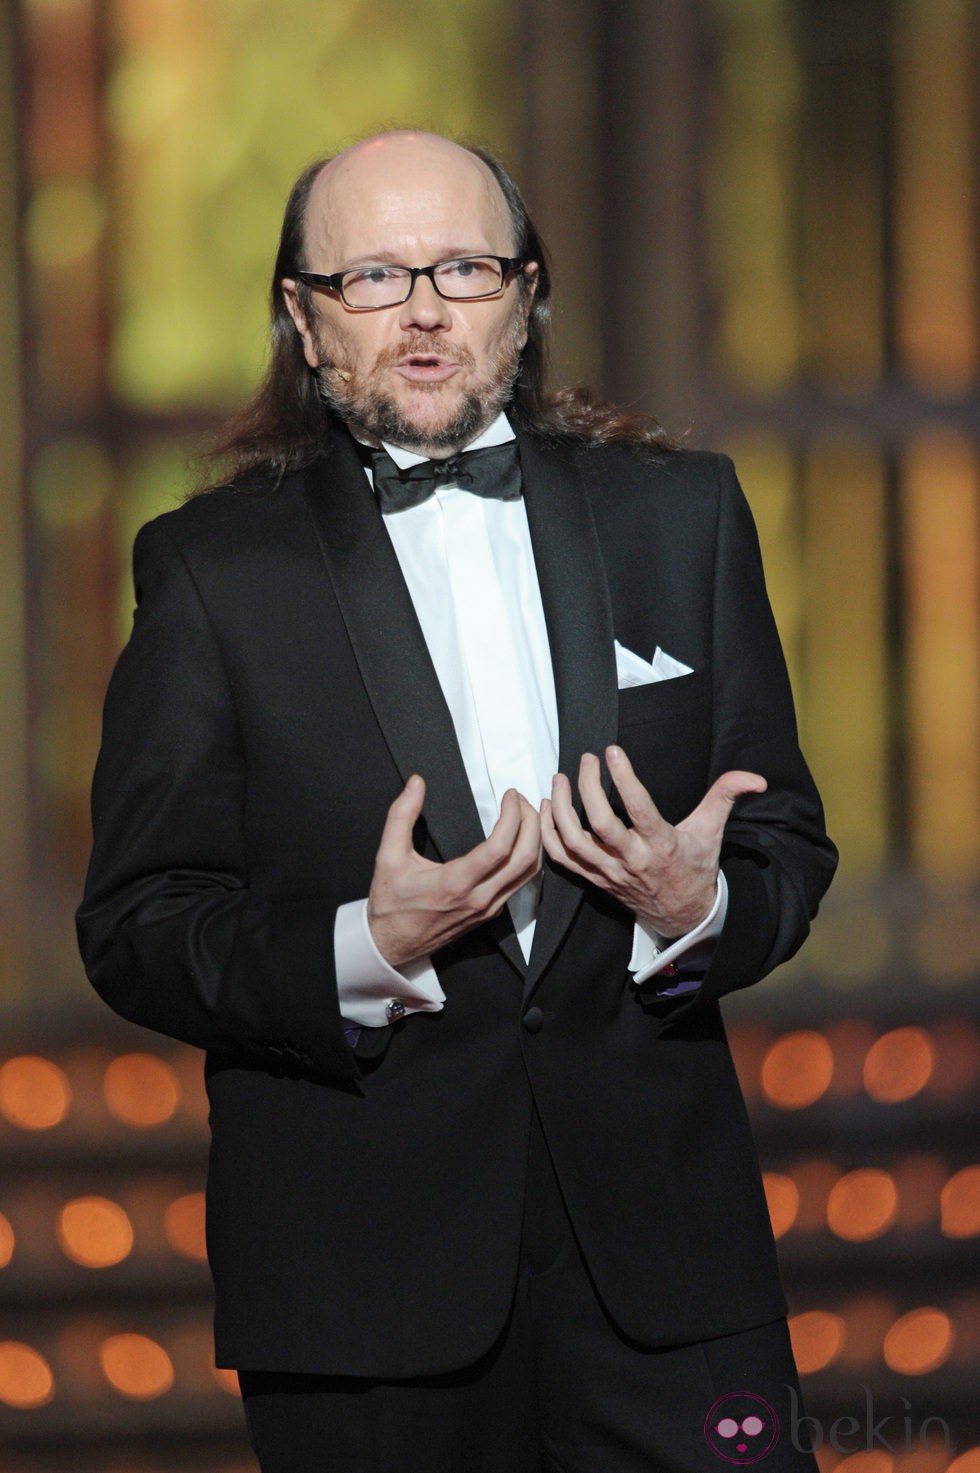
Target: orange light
{"x": 899, "y": 1065}
{"x": 227, "y": 1380}
{"x": 817, "y": 1338}
{"x": 183, "y": 1223}
{"x": 7, "y": 1241}
{"x": 968, "y": 1462}
{"x": 34, "y": 1093}
{"x": 136, "y": 1366}
{"x": 141, "y": 1090}
{"x": 94, "y": 1232}
{"x": 862, "y": 1205}
{"x": 873, "y": 1460}
{"x": 26, "y": 1381}
{"x": 797, "y": 1070}
{"x": 783, "y": 1201}
{"x": 919, "y": 1342}
{"x": 959, "y": 1204}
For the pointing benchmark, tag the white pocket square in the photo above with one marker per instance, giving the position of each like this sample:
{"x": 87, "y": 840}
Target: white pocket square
{"x": 631, "y": 670}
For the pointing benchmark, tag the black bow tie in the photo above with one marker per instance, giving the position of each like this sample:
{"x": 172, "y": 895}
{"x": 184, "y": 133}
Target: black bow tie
{"x": 494, "y": 471}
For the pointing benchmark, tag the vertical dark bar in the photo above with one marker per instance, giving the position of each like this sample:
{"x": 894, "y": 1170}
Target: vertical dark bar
{"x": 895, "y": 631}
{"x": 561, "y": 169}
{"x": 655, "y": 116}
{"x": 14, "y": 716}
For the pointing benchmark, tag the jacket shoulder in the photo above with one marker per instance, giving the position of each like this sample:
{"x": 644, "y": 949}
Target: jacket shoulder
{"x": 679, "y": 470}
{"x": 684, "y": 490}
{"x": 607, "y": 469}
{"x": 226, "y": 520}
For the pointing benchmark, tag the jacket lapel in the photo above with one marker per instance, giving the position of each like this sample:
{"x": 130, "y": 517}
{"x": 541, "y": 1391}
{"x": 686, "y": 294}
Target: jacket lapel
{"x": 400, "y": 679}
{"x": 389, "y": 646}
{"x": 578, "y": 614}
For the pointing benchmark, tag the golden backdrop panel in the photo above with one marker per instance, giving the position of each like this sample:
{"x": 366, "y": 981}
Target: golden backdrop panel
{"x": 212, "y": 109}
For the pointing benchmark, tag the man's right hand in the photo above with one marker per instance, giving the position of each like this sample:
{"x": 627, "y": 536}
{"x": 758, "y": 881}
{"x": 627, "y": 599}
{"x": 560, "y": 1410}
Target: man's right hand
{"x": 416, "y": 905}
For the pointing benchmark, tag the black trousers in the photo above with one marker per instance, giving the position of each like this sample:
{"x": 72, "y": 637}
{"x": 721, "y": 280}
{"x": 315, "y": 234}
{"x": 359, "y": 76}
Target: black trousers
{"x": 562, "y": 1391}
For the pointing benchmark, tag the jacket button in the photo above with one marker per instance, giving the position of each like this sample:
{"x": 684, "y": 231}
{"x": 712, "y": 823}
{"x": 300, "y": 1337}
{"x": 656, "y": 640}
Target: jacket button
{"x": 533, "y": 1020}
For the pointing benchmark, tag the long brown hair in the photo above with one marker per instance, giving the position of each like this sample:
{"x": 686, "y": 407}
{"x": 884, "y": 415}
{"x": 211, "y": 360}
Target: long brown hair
{"x": 285, "y": 425}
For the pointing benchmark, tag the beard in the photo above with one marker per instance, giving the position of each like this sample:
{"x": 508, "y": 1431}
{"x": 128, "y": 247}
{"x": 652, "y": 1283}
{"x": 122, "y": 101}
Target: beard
{"x": 368, "y": 409}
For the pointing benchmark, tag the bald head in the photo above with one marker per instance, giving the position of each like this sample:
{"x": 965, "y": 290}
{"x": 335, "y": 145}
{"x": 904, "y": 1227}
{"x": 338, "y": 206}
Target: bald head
{"x": 404, "y": 187}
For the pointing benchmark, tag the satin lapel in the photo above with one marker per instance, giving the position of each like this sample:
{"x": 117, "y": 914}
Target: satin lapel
{"x": 389, "y": 646}
{"x": 578, "y": 614}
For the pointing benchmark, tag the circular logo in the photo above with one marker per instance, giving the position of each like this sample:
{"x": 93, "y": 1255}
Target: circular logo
{"x": 741, "y": 1427}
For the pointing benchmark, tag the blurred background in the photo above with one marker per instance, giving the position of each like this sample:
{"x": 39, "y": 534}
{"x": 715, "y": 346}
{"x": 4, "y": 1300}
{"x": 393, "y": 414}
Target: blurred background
{"x": 764, "y": 217}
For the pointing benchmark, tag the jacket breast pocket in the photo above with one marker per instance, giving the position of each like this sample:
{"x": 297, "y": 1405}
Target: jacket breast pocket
{"x": 666, "y": 701}
{"x": 665, "y": 731}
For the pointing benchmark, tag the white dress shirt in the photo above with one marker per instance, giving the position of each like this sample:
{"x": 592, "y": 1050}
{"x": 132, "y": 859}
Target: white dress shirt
{"x": 469, "y": 566}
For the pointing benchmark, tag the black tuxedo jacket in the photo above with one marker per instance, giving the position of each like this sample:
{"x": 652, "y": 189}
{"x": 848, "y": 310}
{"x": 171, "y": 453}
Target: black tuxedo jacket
{"x": 364, "y": 1209}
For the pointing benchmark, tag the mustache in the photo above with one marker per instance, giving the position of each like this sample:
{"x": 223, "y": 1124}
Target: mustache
{"x": 423, "y": 345}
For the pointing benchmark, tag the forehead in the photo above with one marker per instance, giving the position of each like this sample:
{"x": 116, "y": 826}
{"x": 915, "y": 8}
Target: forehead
{"x": 405, "y": 193}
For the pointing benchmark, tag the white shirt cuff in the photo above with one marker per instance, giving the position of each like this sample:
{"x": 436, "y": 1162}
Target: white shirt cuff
{"x": 652, "y": 953}
{"x": 367, "y": 984}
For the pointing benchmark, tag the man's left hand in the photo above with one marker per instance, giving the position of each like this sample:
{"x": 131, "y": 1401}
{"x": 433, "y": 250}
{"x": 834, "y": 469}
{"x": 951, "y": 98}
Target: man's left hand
{"x": 665, "y": 873}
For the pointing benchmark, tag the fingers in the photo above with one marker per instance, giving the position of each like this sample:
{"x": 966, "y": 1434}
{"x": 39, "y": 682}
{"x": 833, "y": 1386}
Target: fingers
{"x": 396, "y": 836}
{"x": 562, "y": 835}
{"x": 610, "y": 838}
{"x": 524, "y": 860}
{"x": 649, "y": 864}
{"x": 715, "y": 808}
{"x": 610, "y": 831}
{"x": 507, "y": 858}
{"x": 643, "y": 812}
{"x": 416, "y": 906}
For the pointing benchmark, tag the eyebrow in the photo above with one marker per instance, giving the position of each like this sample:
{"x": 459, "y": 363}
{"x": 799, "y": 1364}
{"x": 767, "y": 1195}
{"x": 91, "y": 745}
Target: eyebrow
{"x": 393, "y": 258}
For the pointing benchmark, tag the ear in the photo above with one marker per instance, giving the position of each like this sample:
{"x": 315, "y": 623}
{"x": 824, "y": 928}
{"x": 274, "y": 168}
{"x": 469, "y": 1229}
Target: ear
{"x": 529, "y": 287}
{"x": 290, "y": 294}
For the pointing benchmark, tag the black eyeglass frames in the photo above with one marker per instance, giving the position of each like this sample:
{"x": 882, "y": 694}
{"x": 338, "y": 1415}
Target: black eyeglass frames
{"x": 377, "y": 284}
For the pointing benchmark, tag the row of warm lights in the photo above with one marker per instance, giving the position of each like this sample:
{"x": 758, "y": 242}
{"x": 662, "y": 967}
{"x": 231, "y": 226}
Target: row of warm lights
{"x": 96, "y": 1232}
{"x": 799, "y": 1068}
{"x": 136, "y": 1366}
{"x": 916, "y": 1460}
{"x": 142, "y": 1090}
{"x": 141, "y": 1369}
{"x": 139, "y": 1090}
{"x": 861, "y": 1205}
{"x": 857, "y": 1206}
{"x": 911, "y": 1344}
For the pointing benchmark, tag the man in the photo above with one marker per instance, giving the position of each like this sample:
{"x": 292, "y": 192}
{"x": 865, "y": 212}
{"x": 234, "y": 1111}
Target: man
{"x": 482, "y": 1193}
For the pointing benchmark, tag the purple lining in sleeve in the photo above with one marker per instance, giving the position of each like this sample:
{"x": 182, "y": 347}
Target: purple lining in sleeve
{"x": 680, "y": 989}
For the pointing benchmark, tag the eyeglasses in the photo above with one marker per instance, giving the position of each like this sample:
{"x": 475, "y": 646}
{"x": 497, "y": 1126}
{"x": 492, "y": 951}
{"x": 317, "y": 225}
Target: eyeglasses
{"x": 466, "y": 279}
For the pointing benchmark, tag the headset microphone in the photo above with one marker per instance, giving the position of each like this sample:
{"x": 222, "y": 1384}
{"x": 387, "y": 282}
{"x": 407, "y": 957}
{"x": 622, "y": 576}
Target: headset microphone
{"x": 341, "y": 373}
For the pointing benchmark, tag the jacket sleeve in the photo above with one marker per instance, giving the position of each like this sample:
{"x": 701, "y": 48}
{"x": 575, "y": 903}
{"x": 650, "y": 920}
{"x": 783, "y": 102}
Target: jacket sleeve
{"x": 776, "y": 856}
{"x": 172, "y": 933}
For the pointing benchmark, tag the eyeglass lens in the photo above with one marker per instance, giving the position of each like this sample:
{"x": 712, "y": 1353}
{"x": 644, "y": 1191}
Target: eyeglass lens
{"x": 383, "y": 286}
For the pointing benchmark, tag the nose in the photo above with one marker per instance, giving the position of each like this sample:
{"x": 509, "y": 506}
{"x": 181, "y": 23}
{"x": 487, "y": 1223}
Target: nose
{"x": 425, "y": 309}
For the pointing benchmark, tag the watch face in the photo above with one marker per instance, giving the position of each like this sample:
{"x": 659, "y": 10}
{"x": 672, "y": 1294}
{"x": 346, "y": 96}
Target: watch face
{"x": 741, "y": 1427}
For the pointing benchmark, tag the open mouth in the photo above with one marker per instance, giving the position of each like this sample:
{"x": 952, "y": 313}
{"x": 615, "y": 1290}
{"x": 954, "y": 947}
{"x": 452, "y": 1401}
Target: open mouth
{"x": 426, "y": 367}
